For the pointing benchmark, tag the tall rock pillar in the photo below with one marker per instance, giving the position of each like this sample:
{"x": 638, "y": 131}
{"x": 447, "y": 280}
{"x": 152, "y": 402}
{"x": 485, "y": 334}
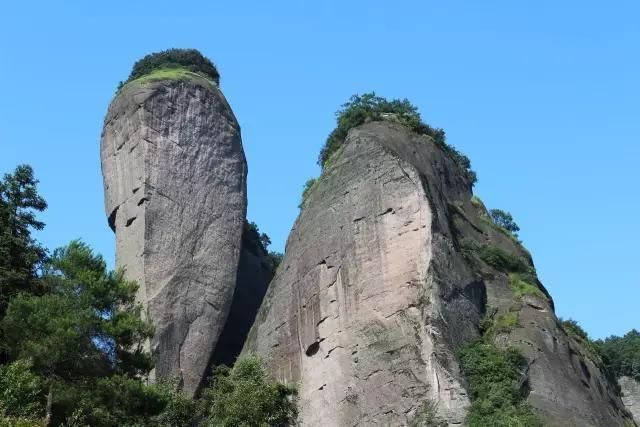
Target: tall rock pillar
{"x": 175, "y": 195}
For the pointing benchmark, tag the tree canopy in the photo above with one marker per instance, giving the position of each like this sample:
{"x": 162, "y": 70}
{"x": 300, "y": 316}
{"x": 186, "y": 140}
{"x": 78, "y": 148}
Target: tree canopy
{"x": 189, "y": 59}
{"x": 622, "y": 354}
{"x": 72, "y": 340}
{"x": 369, "y": 107}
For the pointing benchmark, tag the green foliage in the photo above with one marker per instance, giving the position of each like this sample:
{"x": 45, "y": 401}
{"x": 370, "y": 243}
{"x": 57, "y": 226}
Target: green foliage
{"x": 572, "y": 328}
{"x": 521, "y": 287}
{"x": 179, "y": 410}
{"x": 494, "y": 377}
{"x": 477, "y": 203}
{"x": 71, "y": 339}
{"x": 368, "y": 107}
{"x": 308, "y": 185}
{"x": 506, "y": 322}
{"x": 244, "y": 396}
{"x": 188, "y": 59}
{"x": 502, "y": 260}
{"x": 621, "y": 355}
{"x": 253, "y": 240}
{"x": 88, "y": 323}
{"x": 276, "y": 259}
{"x": 116, "y": 400}
{"x": 20, "y": 255}
{"x": 505, "y": 220}
{"x": 21, "y": 392}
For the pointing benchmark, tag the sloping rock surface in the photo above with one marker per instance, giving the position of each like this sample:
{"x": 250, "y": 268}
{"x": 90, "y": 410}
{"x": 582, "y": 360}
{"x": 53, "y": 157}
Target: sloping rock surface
{"x": 175, "y": 194}
{"x": 377, "y": 293}
{"x": 631, "y": 396}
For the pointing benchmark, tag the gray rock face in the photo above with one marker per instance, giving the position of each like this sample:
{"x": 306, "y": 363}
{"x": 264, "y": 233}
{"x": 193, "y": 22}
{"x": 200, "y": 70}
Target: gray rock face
{"x": 376, "y": 296}
{"x": 631, "y": 396}
{"x": 175, "y": 193}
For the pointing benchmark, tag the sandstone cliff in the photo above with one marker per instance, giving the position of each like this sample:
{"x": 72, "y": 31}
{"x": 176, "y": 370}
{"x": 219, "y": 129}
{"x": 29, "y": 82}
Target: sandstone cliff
{"x": 385, "y": 279}
{"x": 631, "y": 396}
{"x": 175, "y": 194}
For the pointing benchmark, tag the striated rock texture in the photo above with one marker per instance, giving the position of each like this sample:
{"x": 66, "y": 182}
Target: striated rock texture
{"x": 175, "y": 193}
{"x": 631, "y": 396}
{"x": 381, "y": 286}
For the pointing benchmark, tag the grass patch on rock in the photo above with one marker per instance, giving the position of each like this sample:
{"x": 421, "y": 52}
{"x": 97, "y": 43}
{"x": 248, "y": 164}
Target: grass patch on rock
{"x": 179, "y": 74}
{"x": 502, "y": 260}
{"x": 521, "y": 287}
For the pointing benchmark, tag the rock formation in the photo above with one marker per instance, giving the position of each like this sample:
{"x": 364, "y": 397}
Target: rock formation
{"x": 384, "y": 281}
{"x": 631, "y": 396}
{"x": 175, "y": 194}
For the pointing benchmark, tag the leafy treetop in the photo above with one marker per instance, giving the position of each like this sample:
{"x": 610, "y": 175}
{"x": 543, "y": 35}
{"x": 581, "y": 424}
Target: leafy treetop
{"x": 189, "y": 59}
{"x": 505, "y": 220}
{"x": 20, "y": 255}
{"x": 369, "y": 107}
{"x": 622, "y": 354}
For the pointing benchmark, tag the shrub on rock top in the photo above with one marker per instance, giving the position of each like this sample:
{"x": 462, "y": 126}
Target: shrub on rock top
{"x": 369, "y": 107}
{"x": 189, "y": 59}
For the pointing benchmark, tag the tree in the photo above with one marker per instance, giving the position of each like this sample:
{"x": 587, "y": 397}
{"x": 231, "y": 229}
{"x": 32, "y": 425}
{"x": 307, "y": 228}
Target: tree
{"x": 245, "y": 396}
{"x": 505, "y": 220}
{"x": 87, "y": 326}
{"x": 20, "y": 255}
{"x": 622, "y": 354}
{"x": 21, "y": 392}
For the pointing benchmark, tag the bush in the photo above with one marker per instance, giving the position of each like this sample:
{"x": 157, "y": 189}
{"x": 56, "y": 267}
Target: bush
{"x": 622, "y": 354}
{"x": 245, "y": 396}
{"x": 572, "y": 328}
{"x": 306, "y": 189}
{"x": 505, "y": 220}
{"x": 368, "y": 108}
{"x": 253, "y": 240}
{"x": 521, "y": 287}
{"x": 21, "y": 391}
{"x": 502, "y": 260}
{"x": 276, "y": 259}
{"x": 494, "y": 377}
{"x": 189, "y": 59}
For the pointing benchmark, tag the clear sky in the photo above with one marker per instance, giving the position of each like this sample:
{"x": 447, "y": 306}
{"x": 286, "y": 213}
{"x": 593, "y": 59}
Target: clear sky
{"x": 543, "y": 96}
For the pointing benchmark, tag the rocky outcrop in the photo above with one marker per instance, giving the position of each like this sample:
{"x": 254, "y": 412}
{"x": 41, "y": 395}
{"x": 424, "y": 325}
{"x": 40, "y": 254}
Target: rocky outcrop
{"x": 175, "y": 194}
{"x": 382, "y": 284}
{"x": 631, "y": 396}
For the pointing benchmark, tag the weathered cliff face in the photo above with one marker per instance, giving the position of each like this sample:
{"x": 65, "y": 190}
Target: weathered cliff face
{"x": 175, "y": 193}
{"x": 631, "y": 396}
{"x": 381, "y": 286}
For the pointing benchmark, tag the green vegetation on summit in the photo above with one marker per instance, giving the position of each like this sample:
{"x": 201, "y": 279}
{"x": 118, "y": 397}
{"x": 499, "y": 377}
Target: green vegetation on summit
{"x": 173, "y": 64}
{"x": 369, "y": 107}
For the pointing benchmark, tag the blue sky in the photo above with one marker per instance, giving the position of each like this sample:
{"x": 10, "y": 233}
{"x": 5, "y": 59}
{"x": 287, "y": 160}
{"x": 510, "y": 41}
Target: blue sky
{"x": 543, "y": 96}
